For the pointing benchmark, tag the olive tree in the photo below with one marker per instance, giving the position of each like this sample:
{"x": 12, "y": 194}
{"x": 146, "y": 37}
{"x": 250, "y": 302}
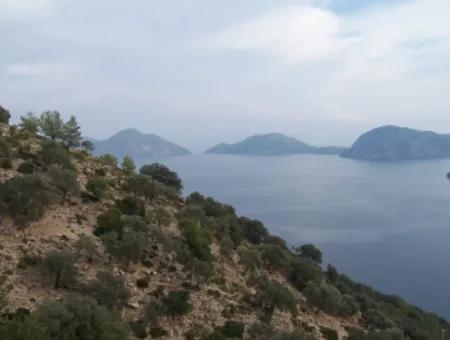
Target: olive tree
{"x": 25, "y": 198}
{"x": 80, "y": 318}
{"x": 58, "y": 267}
{"x": 63, "y": 181}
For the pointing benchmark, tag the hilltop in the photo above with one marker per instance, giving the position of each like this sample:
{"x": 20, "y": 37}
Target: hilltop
{"x": 393, "y": 143}
{"x": 271, "y": 144}
{"x": 133, "y": 143}
{"x": 92, "y": 251}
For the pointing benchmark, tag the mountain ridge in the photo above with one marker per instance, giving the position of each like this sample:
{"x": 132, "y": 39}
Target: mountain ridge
{"x": 271, "y": 144}
{"x": 134, "y": 143}
{"x": 395, "y": 143}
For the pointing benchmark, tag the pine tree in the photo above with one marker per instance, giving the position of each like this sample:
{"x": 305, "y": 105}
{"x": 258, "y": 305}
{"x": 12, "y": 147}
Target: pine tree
{"x": 71, "y": 133}
{"x": 52, "y": 125}
{"x": 29, "y": 122}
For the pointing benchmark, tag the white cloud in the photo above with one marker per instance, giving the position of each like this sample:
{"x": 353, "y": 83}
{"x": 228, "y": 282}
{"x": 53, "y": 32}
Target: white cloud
{"x": 329, "y": 75}
{"x": 27, "y": 69}
{"x": 298, "y": 33}
{"x": 24, "y": 9}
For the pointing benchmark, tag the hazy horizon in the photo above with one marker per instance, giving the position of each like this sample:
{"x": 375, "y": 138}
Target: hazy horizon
{"x": 199, "y": 73}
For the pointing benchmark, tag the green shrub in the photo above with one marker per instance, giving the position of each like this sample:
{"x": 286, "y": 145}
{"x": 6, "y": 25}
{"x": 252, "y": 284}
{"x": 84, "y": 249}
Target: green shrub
{"x": 329, "y": 334}
{"x": 377, "y": 319}
{"x": 389, "y": 334}
{"x": 310, "y": 252}
{"x": 98, "y": 188}
{"x": 127, "y": 249}
{"x": 263, "y": 331}
{"x": 86, "y": 247}
{"x": 197, "y": 239}
{"x": 100, "y": 172}
{"x": 25, "y": 198}
{"x": 212, "y": 208}
{"x": 87, "y": 146}
{"x": 163, "y": 175}
{"x": 195, "y": 198}
{"x": 63, "y": 181}
{"x": 177, "y": 303}
{"x": 235, "y": 232}
{"x": 199, "y": 270}
{"x": 109, "y": 159}
{"x": 275, "y": 257}
{"x": 158, "y": 332}
{"x": 53, "y": 153}
{"x": 330, "y": 300}
{"x": 232, "y": 329}
{"x": 128, "y": 165}
{"x": 22, "y": 328}
{"x": 273, "y": 294}
{"x": 110, "y": 290}
{"x": 80, "y": 318}
{"x": 27, "y": 167}
{"x": 59, "y": 269}
{"x": 253, "y": 230}
{"x": 302, "y": 271}
{"x": 139, "y": 329}
{"x": 249, "y": 258}
{"x": 4, "y": 115}
{"x": 131, "y": 205}
{"x": 6, "y": 154}
{"x": 276, "y": 241}
{"x": 109, "y": 221}
{"x": 160, "y": 217}
{"x": 142, "y": 282}
{"x": 142, "y": 185}
{"x": 135, "y": 223}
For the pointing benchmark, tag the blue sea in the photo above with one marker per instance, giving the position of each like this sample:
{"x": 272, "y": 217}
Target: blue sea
{"x": 383, "y": 224}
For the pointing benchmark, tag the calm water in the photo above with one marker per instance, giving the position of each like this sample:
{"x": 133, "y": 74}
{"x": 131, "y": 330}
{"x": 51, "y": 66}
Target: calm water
{"x": 384, "y": 224}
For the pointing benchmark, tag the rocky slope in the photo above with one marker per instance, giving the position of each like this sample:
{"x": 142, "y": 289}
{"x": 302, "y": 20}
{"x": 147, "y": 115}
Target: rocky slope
{"x": 147, "y": 263}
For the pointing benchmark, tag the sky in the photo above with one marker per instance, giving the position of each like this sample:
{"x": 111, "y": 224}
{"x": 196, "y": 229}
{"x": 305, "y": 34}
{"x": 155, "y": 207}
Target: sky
{"x": 200, "y": 72}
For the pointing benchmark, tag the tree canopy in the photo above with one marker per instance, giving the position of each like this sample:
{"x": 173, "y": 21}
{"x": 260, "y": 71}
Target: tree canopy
{"x": 71, "y": 133}
{"x": 162, "y": 174}
{"x": 52, "y": 125}
{"x": 4, "y": 115}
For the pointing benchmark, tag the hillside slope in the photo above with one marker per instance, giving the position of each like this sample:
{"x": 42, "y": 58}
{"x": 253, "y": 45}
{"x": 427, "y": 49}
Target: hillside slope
{"x": 270, "y": 145}
{"x": 138, "y": 145}
{"x": 90, "y": 252}
{"x": 393, "y": 143}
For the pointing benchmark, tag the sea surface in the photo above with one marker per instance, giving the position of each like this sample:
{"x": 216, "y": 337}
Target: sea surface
{"x": 383, "y": 224}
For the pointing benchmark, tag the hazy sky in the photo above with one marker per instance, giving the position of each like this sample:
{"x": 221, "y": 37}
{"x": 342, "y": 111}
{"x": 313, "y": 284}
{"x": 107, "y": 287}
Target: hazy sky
{"x": 199, "y": 72}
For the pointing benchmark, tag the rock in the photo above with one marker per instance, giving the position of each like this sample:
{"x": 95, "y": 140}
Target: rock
{"x": 133, "y": 305}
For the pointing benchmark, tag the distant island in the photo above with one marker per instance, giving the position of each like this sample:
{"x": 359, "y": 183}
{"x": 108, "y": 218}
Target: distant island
{"x": 393, "y": 143}
{"x": 272, "y": 144}
{"x": 138, "y": 145}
